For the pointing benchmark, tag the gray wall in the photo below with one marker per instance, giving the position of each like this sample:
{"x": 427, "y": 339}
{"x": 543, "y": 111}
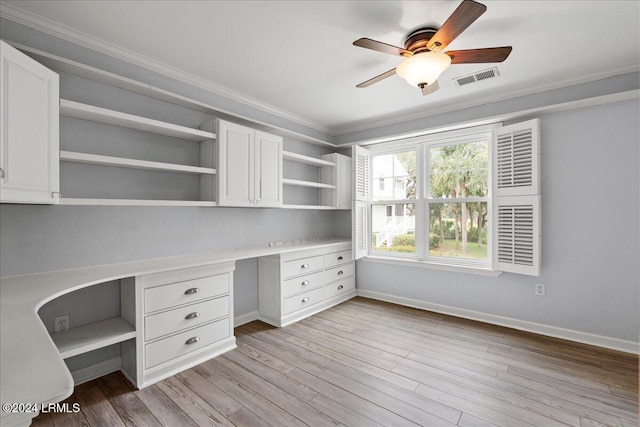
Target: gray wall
{"x": 590, "y": 235}
{"x": 43, "y": 238}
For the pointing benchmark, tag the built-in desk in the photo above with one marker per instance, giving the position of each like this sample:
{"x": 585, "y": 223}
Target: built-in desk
{"x": 31, "y": 366}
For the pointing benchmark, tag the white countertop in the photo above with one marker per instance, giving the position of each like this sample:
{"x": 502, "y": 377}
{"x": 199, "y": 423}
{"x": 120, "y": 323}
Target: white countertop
{"x": 31, "y": 368}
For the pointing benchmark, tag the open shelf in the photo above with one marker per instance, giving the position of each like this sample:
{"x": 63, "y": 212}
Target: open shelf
{"x": 66, "y": 65}
{"x": 133, "y": 202}
{"x": 301, "y": 183}
{"x": 300, "y": 158}
{"x": 93, "y": 336}
{"x": 95, "y": 159}
{"x": 111, "y": 117}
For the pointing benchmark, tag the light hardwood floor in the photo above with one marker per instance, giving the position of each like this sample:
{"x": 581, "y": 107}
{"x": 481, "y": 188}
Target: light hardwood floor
{"x": 368, "y": 363}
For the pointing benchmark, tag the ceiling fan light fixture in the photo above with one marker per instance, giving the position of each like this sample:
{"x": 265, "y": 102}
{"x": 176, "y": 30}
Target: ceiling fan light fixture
{"x": 423, "y": 68}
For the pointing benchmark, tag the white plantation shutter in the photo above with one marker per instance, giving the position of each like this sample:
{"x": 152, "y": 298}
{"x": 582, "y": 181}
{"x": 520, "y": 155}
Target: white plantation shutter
{"x": 517, "y": 205}
{"x": 517, "y": 152}
{"x": 360, "y": 230}
{"x": 518, "y": 235}
{"x": 361, "y": 161}
{"x": 360, "y": 215}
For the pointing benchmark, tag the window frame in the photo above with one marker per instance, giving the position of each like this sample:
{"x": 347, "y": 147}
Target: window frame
{"x": 421, "y": 146}
{"x": 381, "y": 150}
{"x": 428, "y": 200}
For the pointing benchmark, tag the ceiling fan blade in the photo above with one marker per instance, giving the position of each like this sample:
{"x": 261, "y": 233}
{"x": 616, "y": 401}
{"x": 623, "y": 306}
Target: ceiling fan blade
{"x": 378, "y": 78}
{"x": 430, "y": 88}
{"x": 381, "y": 47}
{"x": 479, "y": 56}
{"x": 460, "y": 19}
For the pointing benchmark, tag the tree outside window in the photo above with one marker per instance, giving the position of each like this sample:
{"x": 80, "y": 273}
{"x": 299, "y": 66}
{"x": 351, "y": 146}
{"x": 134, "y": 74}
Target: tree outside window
{"x": 457, "y": 199}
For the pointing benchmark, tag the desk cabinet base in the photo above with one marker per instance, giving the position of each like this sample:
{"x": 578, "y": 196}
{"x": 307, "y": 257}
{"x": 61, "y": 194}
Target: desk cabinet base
{"x": 183, "y": 318}
{"x": 296, "y": 285}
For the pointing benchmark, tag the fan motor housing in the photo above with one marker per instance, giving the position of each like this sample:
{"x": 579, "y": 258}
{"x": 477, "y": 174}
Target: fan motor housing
{"x": 417, "y": 40}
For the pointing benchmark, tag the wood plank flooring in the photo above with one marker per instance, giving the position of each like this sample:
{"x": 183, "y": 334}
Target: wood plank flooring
{"x": 369, "y": 363}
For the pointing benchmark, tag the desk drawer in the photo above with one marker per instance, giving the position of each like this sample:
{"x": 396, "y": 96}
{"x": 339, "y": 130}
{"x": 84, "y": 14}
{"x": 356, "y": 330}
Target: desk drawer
{"x": 169, "y": 348}
{"x": 301, "y": 301}
{"x": 302, "y": 283}
{"x": 185, "y": 317}
{"x": 337, "y": 288}
{"x": 302, "y": 266}
{"x": 186, "y": 292}
{"x": 340, "y": 272}
{"x": 337, "y": 258}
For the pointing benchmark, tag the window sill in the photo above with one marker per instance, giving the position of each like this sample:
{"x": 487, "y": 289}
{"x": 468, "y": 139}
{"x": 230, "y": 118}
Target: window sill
{"x": 433, "y": 266}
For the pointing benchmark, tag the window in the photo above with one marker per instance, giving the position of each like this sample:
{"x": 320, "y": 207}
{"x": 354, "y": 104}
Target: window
{"x": 393, "y": 226}
{"x": 457, "y": 200}
{"x": 445, "y": 204}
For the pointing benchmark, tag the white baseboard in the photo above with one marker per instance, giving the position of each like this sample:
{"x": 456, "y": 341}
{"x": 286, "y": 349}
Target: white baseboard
{"x": 523, "y": 325}
{"x": 95, "y": 371}
{"x": 245, "y": 318}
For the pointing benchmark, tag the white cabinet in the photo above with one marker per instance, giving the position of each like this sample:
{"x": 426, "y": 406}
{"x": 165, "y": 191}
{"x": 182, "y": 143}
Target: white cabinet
{"x": 340, "y": 177}
{"x": 249, "y": 166}
{"x": 295, "y": 285}
{"x": 268, "y": 155}
{"x": 29, "y": 141}
{"x": 183, "y": 318}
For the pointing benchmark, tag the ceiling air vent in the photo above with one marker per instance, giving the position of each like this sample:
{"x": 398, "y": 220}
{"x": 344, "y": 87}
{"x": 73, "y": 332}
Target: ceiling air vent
{"x": 476, "y": 77}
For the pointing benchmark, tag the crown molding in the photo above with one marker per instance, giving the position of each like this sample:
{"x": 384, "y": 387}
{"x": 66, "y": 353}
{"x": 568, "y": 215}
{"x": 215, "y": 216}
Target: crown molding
{"x": 436, "y": 110}
{"x": 64, "y": 32}
{"x": 499, "y": 118}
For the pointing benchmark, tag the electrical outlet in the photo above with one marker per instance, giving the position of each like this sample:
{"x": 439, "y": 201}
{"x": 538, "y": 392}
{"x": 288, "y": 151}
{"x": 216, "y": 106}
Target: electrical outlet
{"x": 61, "y": 323}
{"x": 540, "y": 289}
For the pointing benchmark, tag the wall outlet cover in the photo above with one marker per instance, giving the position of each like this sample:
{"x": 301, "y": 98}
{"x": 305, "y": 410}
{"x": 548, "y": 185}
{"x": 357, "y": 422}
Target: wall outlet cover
{"x": 540, "y": 289}
{"x": 61, "y": 323}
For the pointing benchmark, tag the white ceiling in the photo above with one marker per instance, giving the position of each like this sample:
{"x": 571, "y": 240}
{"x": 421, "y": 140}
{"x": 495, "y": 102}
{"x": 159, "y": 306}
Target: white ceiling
{"x": 297, "y": 56}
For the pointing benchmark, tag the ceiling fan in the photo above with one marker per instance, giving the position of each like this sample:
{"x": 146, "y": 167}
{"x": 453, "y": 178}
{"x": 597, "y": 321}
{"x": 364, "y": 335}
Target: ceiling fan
{"x": 424, "y": 60}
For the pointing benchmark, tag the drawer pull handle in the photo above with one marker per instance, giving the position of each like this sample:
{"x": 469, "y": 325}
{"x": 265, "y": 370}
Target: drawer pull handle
{"x": 192, "y": 340}
{"x": 340, "y": 273}
{"x": 340, "y": 287}
{"x": 304, "y": 266}
{"x": 305, "y": 299}
{"x": 192, "y": 315}
{"x": 305, "y": 283}
{"x": 191, "y": 291}
{"x": 340, "y": 258}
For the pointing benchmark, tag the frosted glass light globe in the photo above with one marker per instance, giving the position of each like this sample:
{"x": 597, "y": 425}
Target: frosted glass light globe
{"x": 423, "y": 68}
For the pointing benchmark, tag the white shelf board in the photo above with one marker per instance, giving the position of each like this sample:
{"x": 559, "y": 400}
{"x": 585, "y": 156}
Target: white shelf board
{"x": 82, "y": 339}
{"x": 66, "y": 65}
{"x": 133, "y": 202}
{"x": 300, "y": 158}
{"x": 95, "y": 159}
{"x": 310, "y": 207}
{"x": 301, "y": 183}
{"x": 111, "y": 117}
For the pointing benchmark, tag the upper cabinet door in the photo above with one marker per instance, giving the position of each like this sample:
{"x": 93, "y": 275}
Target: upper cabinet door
{"x": 268, "y": 163}
{"x": 236, "y": 169}
{"x": 29, "y": 141}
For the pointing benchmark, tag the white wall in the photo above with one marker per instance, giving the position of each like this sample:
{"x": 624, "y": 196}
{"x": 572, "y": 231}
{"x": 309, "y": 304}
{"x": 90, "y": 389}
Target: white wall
{"x": 590, "y": 235}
